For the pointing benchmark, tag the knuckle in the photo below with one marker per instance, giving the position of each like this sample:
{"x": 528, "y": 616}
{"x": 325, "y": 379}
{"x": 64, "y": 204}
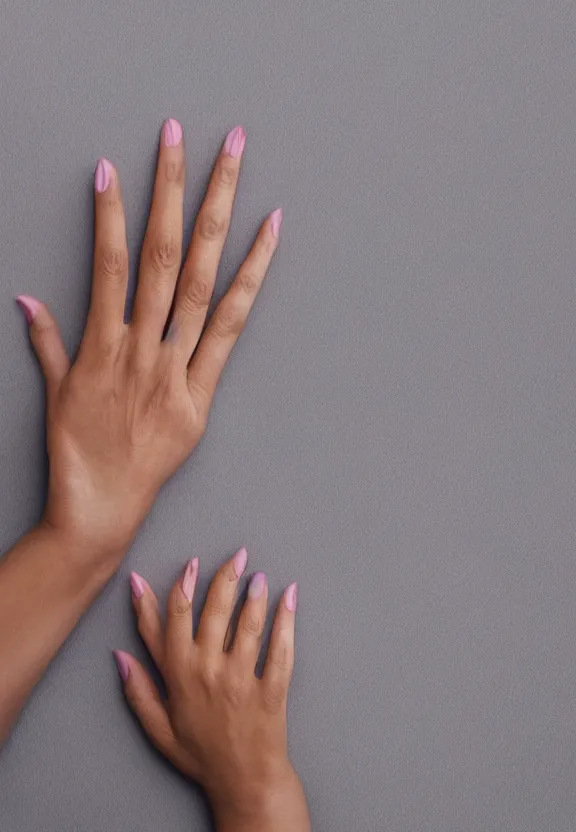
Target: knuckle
{"x": 164, "y": 253}
{"x": 281, "y": 658}
{"x": 226, "y": 174}
{"x": 209, "y": 674}
{"x": 216, "y": 608}
{"x": 274, "y": 697}
{"x": 251, "y": 625}
{"x": 211, "y": 226}
{"x": 112, "y": 262}
{"x": 174, "y": 171}
{"x": 197, "y": 295}
{"x": 228, "y": 321}
{"x": 180, "y": 608}
{"x": 248, "y": 282}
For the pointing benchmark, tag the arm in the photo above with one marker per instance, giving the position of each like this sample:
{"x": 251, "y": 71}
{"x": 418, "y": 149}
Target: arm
{"x": 222, "y": 726}
{"x": 44, "y": 589}
{"x": 130, "y": 409}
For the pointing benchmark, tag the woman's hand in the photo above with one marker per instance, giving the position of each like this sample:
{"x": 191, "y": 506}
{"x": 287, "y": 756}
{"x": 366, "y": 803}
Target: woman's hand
{"x": 221, "y": 726}
{"x": 134, "y": 404}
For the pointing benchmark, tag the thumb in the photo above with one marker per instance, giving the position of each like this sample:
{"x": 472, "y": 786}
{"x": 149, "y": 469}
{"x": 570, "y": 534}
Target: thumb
{"x": 144, "y": 699}
{"x": 46, "y": 340}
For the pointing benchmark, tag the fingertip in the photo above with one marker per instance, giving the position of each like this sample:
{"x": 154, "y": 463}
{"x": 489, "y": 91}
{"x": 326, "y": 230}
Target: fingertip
{"x": 275, "y": 219}
{"x": 122, "y": 660}
{"x": 137, "y": 585}
{"x": 103, "y": 175}
{"x": 239, "y": 562}
{"x": 291, "y": 597}
{"x": 30, "y": 307}
{"x": 172, "y": 132}
{"x": 189, "y": 579}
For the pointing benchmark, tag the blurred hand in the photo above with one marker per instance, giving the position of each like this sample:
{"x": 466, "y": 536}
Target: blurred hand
{"x": 134, "y": 404}
{"x": 221, "y": 726}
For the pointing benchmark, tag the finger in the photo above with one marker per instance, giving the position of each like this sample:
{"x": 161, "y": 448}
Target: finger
{"x": 144, "y": 700}
{"x": 199, "y": 273}
{"x": 231, "y": 313}
{"x": 162, "y": 248}
{"x": 280, "y": 658}
{"x": 219, "y": 604}
{"x": 179, "y": 618}
{"x": 110, "y": 280}
{"x": 248, "y": 637}
{"x": 148, "y": 617}
{"x": 46, "y": 340}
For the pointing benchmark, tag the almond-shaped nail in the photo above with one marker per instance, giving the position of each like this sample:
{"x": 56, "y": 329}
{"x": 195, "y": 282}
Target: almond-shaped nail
{"x": 172, "y": 132}
{"x": 30, "y": 306}
{"x": 235, "y": 141}
{"x": 137, "y": 585}
{"x": 276, "y": 222}
{"x": 189, "y": 579}
{"x": 257, "y": 586}
{"x": 239, "y": 562}
{"x": 291, "y": 597}
{"x": 103, "y": 175}
{"x": 122, "y": 663}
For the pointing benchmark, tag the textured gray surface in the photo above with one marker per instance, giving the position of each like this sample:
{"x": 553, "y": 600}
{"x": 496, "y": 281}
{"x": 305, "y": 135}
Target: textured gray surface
{"x": 396, "y": 428}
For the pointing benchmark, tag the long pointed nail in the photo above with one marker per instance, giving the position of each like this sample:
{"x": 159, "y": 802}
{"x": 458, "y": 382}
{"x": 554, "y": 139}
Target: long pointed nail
{"x": 257, "y": 586}
{"x": 276, "y": 222}
{"x": 137, "y": 584}
{"x": 291, "y": 597}
{"x": 239, "y": 562}
{"x": 122, "y": 663}
{"x": 189, "y": 579}
{"x": 102, "y": 175}
{"x": 30, "y": 306}
{"x": 235, "y": 141}
{"x": 172, "y": 132}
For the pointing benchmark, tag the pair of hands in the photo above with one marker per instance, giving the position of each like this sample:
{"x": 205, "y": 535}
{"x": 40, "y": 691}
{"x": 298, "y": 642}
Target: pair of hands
{"x": 120, "y": 421}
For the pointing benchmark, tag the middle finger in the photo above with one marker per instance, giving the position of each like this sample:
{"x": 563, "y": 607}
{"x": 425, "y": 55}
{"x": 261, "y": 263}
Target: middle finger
{"x": 199, "y": 273}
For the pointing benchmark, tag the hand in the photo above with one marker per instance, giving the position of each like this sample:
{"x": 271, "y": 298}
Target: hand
{"x": 134, "y": 404}
{"x": 222, "y": 726}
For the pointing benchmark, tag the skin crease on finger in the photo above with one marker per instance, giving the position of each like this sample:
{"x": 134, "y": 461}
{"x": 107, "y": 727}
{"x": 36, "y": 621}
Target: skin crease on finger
{"x": 120, "y": 420}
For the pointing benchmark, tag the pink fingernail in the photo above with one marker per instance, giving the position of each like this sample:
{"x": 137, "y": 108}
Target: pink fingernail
{"x": 103, "y": 175}
{"x": 235, "y": 141}
{"x": 189, "y": 579}
{"x": 257, "y": 586}
{"x": 239, "y": 562}
{"x": 276, "y": 222}
{"x": 172, "y": 132}
{"x": 291, "y": 597}
{"x": 30, "y": 306}
{"x": 137, "y": 584}
{"x": 122, "y": 663}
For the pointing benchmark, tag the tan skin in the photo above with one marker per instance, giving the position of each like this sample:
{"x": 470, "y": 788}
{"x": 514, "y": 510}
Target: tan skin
{"x": 120, "y": 421}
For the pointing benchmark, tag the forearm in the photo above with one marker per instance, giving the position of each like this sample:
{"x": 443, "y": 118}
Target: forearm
{"x": 45, "y": 587}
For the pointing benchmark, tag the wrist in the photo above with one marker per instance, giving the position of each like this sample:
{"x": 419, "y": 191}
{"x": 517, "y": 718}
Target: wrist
{"x": 92, "y": 561}
{"x": 272, "y": 803}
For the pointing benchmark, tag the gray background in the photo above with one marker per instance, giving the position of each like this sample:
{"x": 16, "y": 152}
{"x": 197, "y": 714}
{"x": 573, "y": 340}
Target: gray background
{"x": 396, "y": 428}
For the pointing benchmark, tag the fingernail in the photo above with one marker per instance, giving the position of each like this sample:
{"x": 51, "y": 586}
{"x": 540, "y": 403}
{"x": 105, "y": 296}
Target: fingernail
{"x": 239, "y": 562}
{"x": 235, "y": 141}
{"x": 291, "y": 597}
{"x": 276, "y": 222}
{"x": 137, "y": 584}
{"x": 257, "y": 586}
{"x": 103, "y": 175}
{"x": 122, "y": 664}
{"x": 189, "y": 579}
{"x": 172, "y": 132}
{"x": 29, "y": 306}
